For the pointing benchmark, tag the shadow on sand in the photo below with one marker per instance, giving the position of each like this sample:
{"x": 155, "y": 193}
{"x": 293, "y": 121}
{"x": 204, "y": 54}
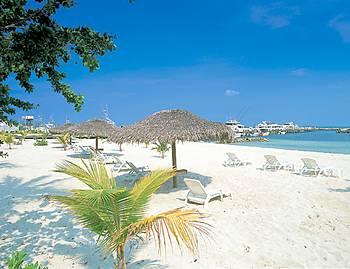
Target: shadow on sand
{"x": 84, "y": 156}
{"x": 126, "y": 180}
{"x": 41, "y": 228}
{"x": 78, "y": 156}
{"x": 340, "y": 190}
{"x": 131, "y": 249}
{"x": 6, "y": 164}
{"x": 146, "y": 264}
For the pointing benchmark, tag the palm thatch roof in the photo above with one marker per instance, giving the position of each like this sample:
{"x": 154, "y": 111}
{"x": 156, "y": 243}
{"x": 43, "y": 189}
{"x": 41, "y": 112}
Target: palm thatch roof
{"x": 95, "y": 128}
{"x": 62, "y": 129}
{"x": 169, "y": 126}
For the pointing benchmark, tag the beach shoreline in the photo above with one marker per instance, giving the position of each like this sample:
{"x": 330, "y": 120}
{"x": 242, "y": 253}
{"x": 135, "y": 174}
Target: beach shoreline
{"x": 316, "y": 141}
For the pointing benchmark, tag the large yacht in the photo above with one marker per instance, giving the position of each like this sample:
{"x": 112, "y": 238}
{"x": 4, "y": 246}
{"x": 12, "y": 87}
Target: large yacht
{"x": 267, "y": 126}
{"x": 239, "y": 129}
{"x": 290, "y": 126}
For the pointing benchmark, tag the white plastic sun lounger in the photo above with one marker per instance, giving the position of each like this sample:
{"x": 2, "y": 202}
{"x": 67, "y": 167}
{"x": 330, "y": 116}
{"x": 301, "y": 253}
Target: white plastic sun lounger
{"x": 105, "y": 158}
{"x": 311, "y": 167}
{"x": 136, "y": 170}
{"x": 198, "y": 194}
{"x": 82, "y": 150}
{"x": 234, "y": 161}
{"x": 272, "y": 163}
{"x": 132, "y": 168}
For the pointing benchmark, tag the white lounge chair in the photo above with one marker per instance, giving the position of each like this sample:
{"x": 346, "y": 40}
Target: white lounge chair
{"x": 234, "y": 161}
{"x": 82, "y": 150}
{"x": 198, "y": 194}
{"x": 105, "y": 158}
{"x": 137, "y": 170}
{"x": 75, "y": 147}
{"x": 272, "y": 163}
{"x": 132, "y": 168}
{"x": 311, "y": 167}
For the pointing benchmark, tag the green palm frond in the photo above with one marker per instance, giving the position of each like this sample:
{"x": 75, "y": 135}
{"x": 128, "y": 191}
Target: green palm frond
{"x": 179, "y": 225}
{"x": 9, "y": 138}
{"x": 148, "y": 185}
{"x": 64, "y": 140}
{"x": 23, "y": 132}
{"x": 93, "y": 174}
{"x": 89, "y": 216}
{"x": 100, "y": 197}
{"x": 161, "y": 148}
{"x": 104, "y": 212}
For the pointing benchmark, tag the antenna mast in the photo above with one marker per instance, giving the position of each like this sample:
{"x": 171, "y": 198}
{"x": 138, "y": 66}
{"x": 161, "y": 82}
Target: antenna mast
{"x": 105, "y": 113}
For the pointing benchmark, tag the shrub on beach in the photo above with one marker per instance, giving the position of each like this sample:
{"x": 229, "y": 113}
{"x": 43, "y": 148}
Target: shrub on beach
{"x": 23, "y": 134}
{"x": 2, "y": 136}
{"x": 41, "y": 141}
{"x": 161, "y": 148}
{"x": 117, "y": 214}
{"x": 9, "y": 139}
{"x": 16, "y": 261}
{"x": 64, "y": 140}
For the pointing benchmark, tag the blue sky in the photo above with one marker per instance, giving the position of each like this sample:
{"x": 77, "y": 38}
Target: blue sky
{"x": 250, "y": 60}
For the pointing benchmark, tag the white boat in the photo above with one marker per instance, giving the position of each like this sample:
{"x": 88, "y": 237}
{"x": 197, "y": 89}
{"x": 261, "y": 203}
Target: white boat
{"x": 267, "y": 126}
{"x": 290, "y": 126}
{"x": 49, "y": 125}
{"x": 264, "y": 133}
{"x": 239, "y": 129}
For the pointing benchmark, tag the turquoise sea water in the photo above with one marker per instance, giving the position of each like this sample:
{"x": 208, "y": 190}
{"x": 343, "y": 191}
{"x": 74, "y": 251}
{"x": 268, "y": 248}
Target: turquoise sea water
{"x": 320, "y": 141}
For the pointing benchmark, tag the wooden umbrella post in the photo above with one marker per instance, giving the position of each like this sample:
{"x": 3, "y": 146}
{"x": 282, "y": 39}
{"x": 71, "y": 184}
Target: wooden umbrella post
{"x": 173, "y": 152}
{"x": 96, "y": 143}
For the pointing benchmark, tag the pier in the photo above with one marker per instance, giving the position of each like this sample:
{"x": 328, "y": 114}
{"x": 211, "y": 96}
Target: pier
{"x": 344, "y": 131}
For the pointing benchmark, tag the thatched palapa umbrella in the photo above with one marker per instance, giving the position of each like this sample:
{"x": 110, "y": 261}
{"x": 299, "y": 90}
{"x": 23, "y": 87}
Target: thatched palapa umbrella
{"x": 169, "y": 126}
{"x": 95, "y": 128}
{"x": 65, "y": 128}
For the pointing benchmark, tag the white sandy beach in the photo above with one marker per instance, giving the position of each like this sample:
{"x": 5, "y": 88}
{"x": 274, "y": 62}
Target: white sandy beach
{"x": 268, "y": 219}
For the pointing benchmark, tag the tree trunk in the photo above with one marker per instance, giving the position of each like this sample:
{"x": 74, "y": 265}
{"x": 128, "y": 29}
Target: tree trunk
{"x": 96, "y": 143}
{"x": 120, "y": 147}
{"x": 119, "y": 260}
{"x": 173, "y": 153}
